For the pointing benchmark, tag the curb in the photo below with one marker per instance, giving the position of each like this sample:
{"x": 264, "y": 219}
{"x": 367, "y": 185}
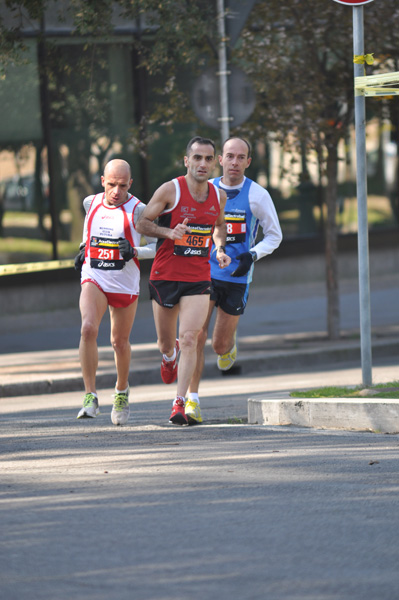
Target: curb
{"x": 365, "y": 414}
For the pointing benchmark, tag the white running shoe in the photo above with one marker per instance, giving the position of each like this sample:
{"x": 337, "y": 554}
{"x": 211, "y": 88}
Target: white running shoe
{"x": 90, "y": 408}
{"x": 120, "y": 409}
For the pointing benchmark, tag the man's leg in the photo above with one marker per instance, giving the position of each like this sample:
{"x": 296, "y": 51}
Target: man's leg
{"x": 224, "y": 331}
{"x": 122, "y": 320}
{"x": 224, "y": 339}
{"x": 202, "y": 337}
{"x": 93, "y": 305}
{"x": 193, "y": 313}
{"x": 165, "y": 320}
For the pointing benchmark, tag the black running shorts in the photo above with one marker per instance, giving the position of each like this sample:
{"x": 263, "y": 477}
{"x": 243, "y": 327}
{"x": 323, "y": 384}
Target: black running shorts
{"x": 231, "y": 297}
{"x": 168, "y": 293}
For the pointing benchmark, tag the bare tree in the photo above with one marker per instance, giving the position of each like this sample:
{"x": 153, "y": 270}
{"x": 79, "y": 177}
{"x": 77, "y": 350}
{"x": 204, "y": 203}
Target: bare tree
{"x": 299, "y": 54}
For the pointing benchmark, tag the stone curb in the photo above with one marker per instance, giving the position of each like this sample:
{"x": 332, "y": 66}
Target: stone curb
{"x": 364, "y": 414}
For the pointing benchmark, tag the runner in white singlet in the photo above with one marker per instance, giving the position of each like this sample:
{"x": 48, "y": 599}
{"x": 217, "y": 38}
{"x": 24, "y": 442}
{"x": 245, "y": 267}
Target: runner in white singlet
{"x": 110, "y": 278}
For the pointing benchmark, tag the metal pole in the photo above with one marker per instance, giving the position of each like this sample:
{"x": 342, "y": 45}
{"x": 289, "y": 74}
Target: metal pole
{"x": 223, "y": 73}
{"x": 361, "y": 184}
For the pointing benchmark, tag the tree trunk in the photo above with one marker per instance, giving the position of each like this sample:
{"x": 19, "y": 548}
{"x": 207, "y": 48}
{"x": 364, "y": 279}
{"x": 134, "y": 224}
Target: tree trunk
{"x": 333, "y": 312}
{"x": 47, "y": 134}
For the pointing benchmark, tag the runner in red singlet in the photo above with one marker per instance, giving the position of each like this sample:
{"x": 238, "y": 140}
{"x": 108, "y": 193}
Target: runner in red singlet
{"x": 190, "y": 213}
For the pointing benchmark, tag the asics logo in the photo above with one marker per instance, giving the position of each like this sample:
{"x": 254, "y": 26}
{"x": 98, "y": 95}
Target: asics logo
{"x": 192, "y": 251}
{"x": 102, "y": 263}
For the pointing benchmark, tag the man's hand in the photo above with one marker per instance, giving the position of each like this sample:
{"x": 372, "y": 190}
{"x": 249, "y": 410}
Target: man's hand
{"x": 246, "y": 260}
{"x": 127, "y": 251}
{"x": 80, "y": 258}
{"x": 223, "y": 259}
{"x": 180, "y": 230}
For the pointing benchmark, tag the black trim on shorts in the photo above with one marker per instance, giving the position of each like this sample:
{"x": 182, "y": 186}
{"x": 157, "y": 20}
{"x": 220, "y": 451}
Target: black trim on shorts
{"x": 168, "y": 293}
{"x": 230, "y": 297}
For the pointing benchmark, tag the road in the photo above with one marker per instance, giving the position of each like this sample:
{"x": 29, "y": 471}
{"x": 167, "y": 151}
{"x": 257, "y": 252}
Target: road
{"x": 224, "y": 510}
{"x": 271, "y": 310}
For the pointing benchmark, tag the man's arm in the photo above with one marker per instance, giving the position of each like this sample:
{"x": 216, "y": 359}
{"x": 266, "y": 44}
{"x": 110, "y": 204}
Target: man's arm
{"x": 147, "y": 250}
{"x": 79, "y": 258}
{"x": 219, "y": 234}
{"x": 262, "y": 207}
{"x": 163, "y": 199}
{"x": 142, "y": 251}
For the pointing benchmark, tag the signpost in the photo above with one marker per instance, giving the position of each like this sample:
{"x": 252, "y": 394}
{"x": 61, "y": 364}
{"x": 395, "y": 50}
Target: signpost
{"x": 213, "y": 99}
{"x": 353, "y": 2}
{"x": 361, "y": 186}
{"x": 205, "y": 98}
{"x": 237, "y": 12}
{"x": 223, "y": 74}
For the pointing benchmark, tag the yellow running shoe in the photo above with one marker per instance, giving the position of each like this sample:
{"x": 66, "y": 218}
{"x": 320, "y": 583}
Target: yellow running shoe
{"x": 193, "y": 412}
{"x": 226, "y": 361}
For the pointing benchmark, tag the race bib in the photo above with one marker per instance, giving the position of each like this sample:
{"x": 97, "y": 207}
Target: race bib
{"x": 196, "y": 243}
{"x": 104, "y": 254}
{"x": 236, "y": 227}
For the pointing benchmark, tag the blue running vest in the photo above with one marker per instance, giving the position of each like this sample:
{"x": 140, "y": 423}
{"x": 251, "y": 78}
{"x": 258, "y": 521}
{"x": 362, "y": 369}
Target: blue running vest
{"x": 242, "y": 228}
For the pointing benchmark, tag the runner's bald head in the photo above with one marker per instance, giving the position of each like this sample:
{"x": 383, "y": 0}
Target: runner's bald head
{"x": 118, "y": 165}
{"x": 240, "y": 139}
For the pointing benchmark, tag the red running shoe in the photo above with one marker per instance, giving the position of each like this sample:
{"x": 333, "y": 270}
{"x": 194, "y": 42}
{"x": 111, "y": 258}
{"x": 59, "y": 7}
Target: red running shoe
{"x": 169, "y": 367}
{"x": 178, "y": 415}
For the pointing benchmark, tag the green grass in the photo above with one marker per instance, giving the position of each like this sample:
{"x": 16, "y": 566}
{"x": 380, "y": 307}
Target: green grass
{"x": 351, "y": 392}
{"x": 327, "y": 392}
{"x": 388, "y": 395}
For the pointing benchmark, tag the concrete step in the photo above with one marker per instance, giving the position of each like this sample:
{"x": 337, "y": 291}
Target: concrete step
{"x": 361, "y": 414}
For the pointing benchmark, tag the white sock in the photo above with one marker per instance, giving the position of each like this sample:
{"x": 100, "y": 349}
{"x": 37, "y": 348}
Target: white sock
{"x": 121, "y": 391}
{"x": 194, "y": 396}
{"x": 170, "y": 358}
{"x": 179, "y": 398}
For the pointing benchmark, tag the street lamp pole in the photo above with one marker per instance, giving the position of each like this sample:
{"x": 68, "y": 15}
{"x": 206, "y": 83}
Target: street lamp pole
{"x": 223, "y": 74}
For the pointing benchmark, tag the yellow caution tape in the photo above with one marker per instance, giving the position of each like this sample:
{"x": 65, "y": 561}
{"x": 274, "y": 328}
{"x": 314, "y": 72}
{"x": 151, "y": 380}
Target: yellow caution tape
{"x": 49, "y": 265}
{"x": 360, "y": 59}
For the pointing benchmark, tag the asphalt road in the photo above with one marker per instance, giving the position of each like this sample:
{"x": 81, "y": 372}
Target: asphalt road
{"x": 225, "y": 510}
{"x": 220, "y": 511}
